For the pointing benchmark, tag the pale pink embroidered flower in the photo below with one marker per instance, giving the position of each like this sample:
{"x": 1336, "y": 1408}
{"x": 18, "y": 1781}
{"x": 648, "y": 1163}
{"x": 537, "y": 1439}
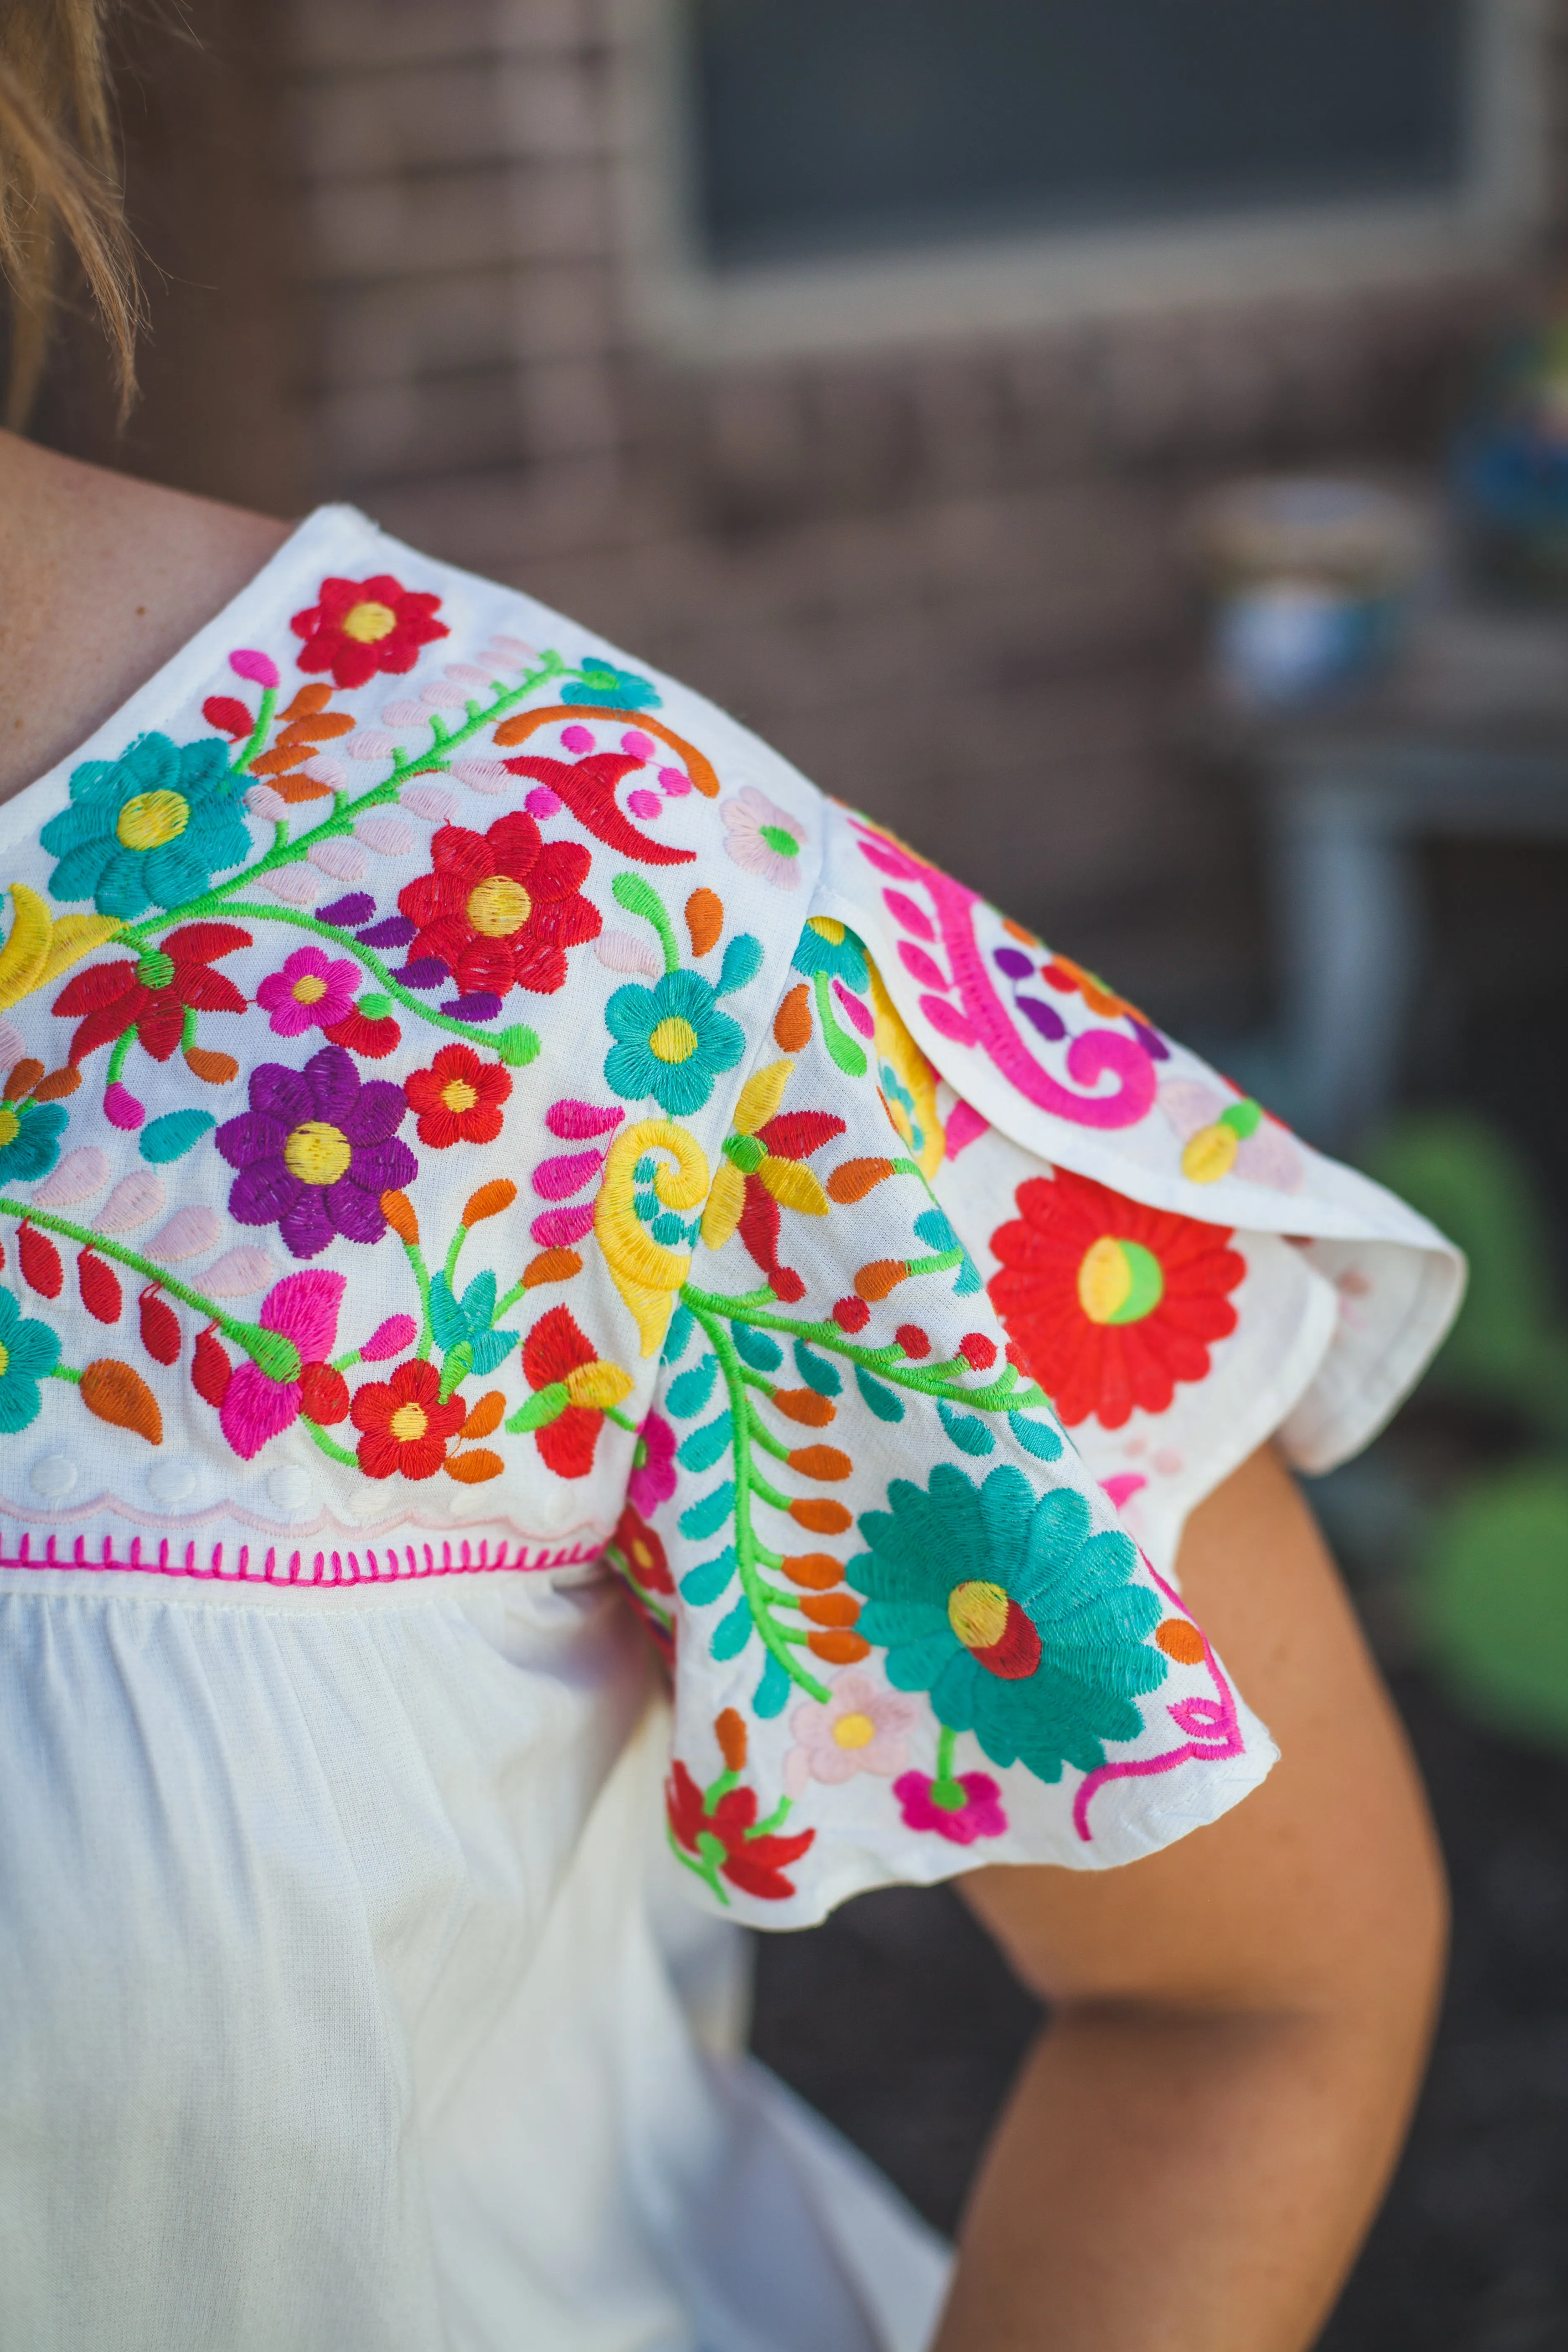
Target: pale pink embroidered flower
{"x": 864, "y": 1727}
{"x": 301, "y": 1309}
{"x": 311, "y": 991}
{"x": 763, "y": 839}
{"x": 653, "y": 1481}
{"x": 979, "y": 1815}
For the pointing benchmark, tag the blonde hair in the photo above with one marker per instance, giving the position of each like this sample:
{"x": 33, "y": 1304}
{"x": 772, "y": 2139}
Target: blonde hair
{"x": 60, "y": 188}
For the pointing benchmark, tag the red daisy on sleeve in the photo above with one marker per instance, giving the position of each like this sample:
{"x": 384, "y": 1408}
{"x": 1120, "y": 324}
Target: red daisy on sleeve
{"x": 357, "y": 627}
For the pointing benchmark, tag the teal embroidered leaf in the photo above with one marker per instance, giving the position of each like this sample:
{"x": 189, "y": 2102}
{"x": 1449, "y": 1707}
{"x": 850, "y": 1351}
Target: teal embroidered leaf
{"x": 704, "y": 1583}
{"x": 743, "y": 962}
{"x": 968, "y": 1278}
{"x": 689, "y": 1391}
{"x": 682, "y": 1323}
{"x": 755, "y": 1348}
{"x": 491, "y": 1349}
{"x": 970, "y": 1435}
{"x": 732, "y": 1633}
{"x": 171, "y": 1137}
{"x": 819, "y": 1373}
{"x": 447, "y": 1317}
{"x": 772, "y": 1692}
{"x": 1036, "y": 1437}
{"x": 707, "y": 1446}
{"x": 705, "y": 1517}
{"x": 935, "y": 1230}
{"x": 884, "y": 1402}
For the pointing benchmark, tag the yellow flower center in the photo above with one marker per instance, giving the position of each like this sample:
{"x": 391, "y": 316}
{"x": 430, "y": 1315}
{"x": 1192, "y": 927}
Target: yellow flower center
{"x": 409, "y": 1423}
{"x": 150, "y": 819}
{"x": 854, "y": 1731}
{"x": 1118, "y": 1282}
{"x": 826, "y": 927}
{"x": 674, "y": 1040}
{"x": 309, "y": 990}
{"x": 10, "y": 1125}
{"x": 368, "y": 622}
{"x": 499, "y": 907}
{"x": 458, "y": 1094}
{"x": 317, "y": 1153}
{"x": 5, "y": 1358}
{"x": 977, "y": 1614}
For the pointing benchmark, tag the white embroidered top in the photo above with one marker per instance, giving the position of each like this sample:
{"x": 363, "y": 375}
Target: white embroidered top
{"x": 483, "y": 1137}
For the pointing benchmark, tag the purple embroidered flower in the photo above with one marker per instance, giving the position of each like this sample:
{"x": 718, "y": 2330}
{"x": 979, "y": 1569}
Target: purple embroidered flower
{"x": 316, "y": 1150}
{"x": 311, "y": 991}
{"x": 652, "y": 1481}
{"x": 927, "y": 1804}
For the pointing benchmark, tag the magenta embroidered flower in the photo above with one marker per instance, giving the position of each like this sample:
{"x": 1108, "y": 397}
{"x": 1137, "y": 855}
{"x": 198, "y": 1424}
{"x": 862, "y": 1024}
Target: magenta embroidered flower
{"x": 864, "y": 1727}
{"x": 928, "y": 1804}
{"x": 764, "y": 840}
{"x": 316, "y": 1150}
{"x": 311, "y": 991}
{"x": 652, "y": 1481}
{"x": 261, "y": 1400}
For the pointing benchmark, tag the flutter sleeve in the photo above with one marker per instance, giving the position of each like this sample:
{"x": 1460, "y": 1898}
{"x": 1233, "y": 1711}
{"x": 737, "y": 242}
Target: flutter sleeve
{"x": 934, "y": 1402}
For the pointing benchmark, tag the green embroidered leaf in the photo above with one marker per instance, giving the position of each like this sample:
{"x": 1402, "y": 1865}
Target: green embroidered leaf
{"x": 457, "y": 1368}
{"x": 638, "y": 896}
{"x": 756, "y": 1349}
{"x": 970, "y": 1435}
{"x": 548, "y": 1405}
{"x": 743, "y": 962}
{"x": 732, "y": 1633}
{"x": 1036, "y": 1437}
{"x": 517, "y": 1045}
{"x": 689, "y": 1391}
{"x": 884, "y": 1401}
{"x": 772, "y": 1692}
{"x": 819, "y": 1373}
{"x": 707, "y": 1446}
{"x": 705, "y": 1517}
{"x": 703, "y": 1584}
{"x": 171, "y": 1137}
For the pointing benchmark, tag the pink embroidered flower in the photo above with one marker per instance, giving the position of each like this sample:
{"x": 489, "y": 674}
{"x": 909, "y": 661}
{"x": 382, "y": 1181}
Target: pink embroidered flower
{"x": 261, "y": 1400}
{"x": 926, "y": 1804}
{"x": 763, "y": 840}
{"x": 311, "y": 991}
{"x": 864, "y": 1727}
{"x": 653, "y": 1480}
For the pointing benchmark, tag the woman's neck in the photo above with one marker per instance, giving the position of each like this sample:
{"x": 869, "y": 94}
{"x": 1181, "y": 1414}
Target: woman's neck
{"x": 101, "y": 579}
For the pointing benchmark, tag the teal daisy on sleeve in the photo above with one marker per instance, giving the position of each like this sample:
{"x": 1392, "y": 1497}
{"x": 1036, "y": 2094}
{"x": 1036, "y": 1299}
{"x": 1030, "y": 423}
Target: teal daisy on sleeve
{"x": 30, "y": 1136}
{"x": 1025, "y": 1628}
{"x": 672, "y": 1042}
{"x": 149, "y": 829}
{"x": 29, "y": 1354}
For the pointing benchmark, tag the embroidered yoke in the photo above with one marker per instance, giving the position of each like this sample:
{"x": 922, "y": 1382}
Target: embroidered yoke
{"x": 489, "y": 1155}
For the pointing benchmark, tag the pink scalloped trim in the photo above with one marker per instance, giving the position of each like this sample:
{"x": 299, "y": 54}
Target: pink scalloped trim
{"x": 395, "y": 1563}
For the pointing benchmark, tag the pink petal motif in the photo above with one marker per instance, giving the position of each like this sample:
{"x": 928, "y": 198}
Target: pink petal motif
{"x": 239, "y": 1273}
{"x": 675, "y": 782}
{"x": 428, "y": 801}
{"x": 78, "y": 1175}
{"x": 857, "y": 1014}
{"x": 389, "y": 1338}
{"x": 636, "y": 745}
{"x": 543, "y": 802}
{"x": 577, "y": 738}
{"x": 12, "y": 1046}
{"x": 439, "y": 693}
{"x": 574, "y": 1121}
{"x": 343, "y": 860}
{"x": 374, "y": 743}
{"x": 121, "y": 1108}
{"x": 295, "y": 884}
{"x": 646, "y": 805}
{"x": 324, "y": 770}
{"x": 136, "y": 1200}
{"x": 465, "y": 674}
{"x": 557, "y": 1179}
{"x": 264, "y": 802}
{"x": 304, "y": 1307}
{"x": 386, "y": 835}
{"x": 483, "y": 776}
{"x": 259, "y": 668}
{"x": 189, "y": 1231}
{"x": 656, "y": 1480}
{"x": 619, "y": 952}
{"x": 964, "y": 1127}
{"x": 562, "y": 1228}
{"x": 404, "y": 713}
{"x": 256, "y": 1408}
{"x": 512, "y": 649}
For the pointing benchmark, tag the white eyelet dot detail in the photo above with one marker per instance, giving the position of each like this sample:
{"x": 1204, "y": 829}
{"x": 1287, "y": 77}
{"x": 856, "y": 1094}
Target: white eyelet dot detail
{"x": 288, "y": 1489}
{"x": 369, "y": 1502}
{"x": 171, "y": 1482}
{"x": 55, "y": 1474}
{"x": 556, "y": 1507}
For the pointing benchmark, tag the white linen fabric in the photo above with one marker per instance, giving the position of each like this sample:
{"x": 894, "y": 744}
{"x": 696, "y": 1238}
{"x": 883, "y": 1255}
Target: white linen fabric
{"x": 492, "y": 1165}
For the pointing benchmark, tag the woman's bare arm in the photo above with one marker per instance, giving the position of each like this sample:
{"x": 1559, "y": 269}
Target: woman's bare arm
{"x": 1201, "y": 2137}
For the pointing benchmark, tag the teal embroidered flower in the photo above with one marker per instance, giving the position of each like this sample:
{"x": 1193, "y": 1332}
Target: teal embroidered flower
{"x": 829, "y": 947}
{"x": 30, "y": 1136}
{"x": 28, "y": 1353}
{"x": 672, "y": 1042}
{"x": 1025, "y": 1628}
{"x": 149, "y": 829}
{"x": 612, "y": 688}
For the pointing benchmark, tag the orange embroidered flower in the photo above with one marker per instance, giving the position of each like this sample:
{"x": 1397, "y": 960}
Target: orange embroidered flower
{"x": 459, "y": 1098}
{"x": 360, "y": 626}
{"x": 1111, "y": 1304}
{"x": 404, "y": 1426}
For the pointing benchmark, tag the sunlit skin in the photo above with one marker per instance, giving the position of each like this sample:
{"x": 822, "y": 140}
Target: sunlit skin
{"x": 1194, "y": 2150}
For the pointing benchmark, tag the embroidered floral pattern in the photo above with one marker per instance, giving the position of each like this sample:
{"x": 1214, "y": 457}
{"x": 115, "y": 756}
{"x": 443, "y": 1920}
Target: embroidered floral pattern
{"x": 311, "y": 991}
{"x": 498, "y": 910}
{"x": 459, "y": 1098}
{"x": 149, "y": 829}
{"x": 405, "y": 1424}
{"x": 29, "y": 1354}
{"x": 316, "y": 1151}
{"x": 357, "y": 627}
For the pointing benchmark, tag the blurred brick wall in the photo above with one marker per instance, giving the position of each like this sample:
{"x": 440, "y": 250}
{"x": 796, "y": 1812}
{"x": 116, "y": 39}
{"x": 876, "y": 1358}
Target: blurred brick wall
{"x": 948, "y": 581}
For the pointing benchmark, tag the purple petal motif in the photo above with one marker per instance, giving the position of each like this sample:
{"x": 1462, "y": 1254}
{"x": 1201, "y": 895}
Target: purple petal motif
{"x": 263, "y": 1192}
{"x": 355, "y": 1213}
{"x": 307, "y": 1227}
{"x": 280, "y": 1093}
{"x": 334, "y": 1085}
{"x": 376, "y": 1114}
{"x": 250, "y": 1138}
{"x": 383, "y": 1166}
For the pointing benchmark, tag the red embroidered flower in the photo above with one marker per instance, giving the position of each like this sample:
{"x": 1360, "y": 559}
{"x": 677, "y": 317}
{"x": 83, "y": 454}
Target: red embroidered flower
{"x": 154, "y": 991}
{"x": 406, "y": 1427}
{"x": 1111, "y": 1304}
{"x": 573, "y": 1388}
{"x": 724, "y": 1836}
{"x": 360, "y": 626}
{"x": 498, "y": 909}
{"x": 642, "y": 1551}
{"x": 459, "y": 1098}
